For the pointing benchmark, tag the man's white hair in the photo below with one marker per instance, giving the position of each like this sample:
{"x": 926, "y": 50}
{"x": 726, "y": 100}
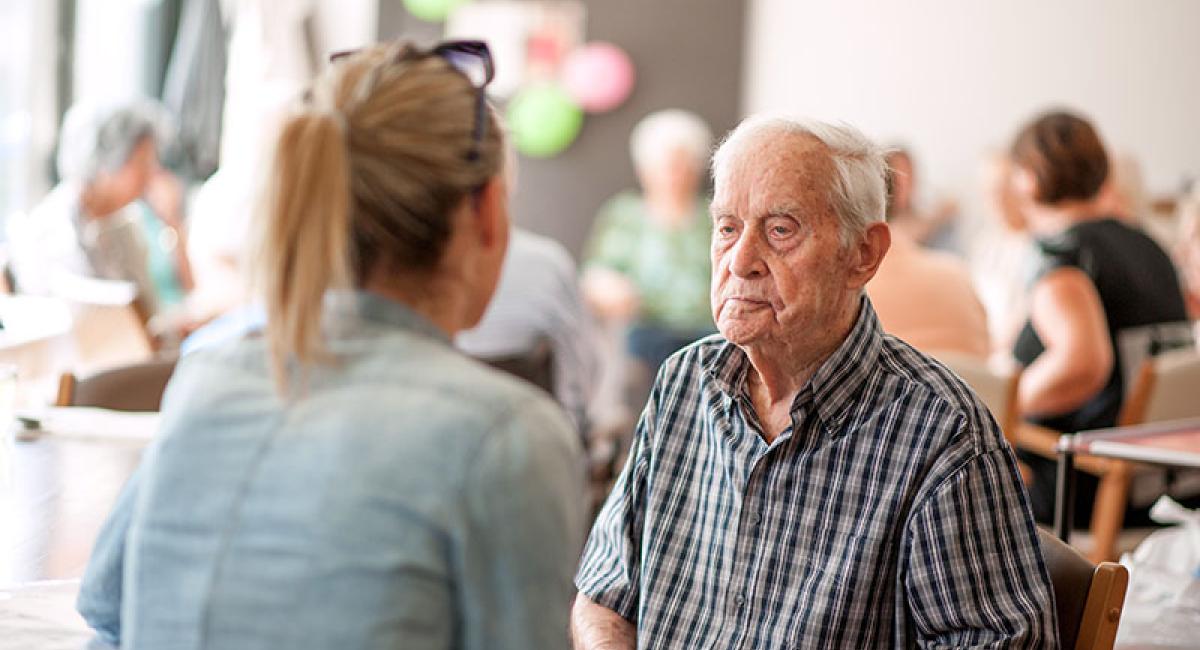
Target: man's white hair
{"x": 660, "y": 134}
{"x": 858, "y": 192}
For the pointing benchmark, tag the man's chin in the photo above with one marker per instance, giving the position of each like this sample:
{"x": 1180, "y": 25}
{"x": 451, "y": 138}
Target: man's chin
{"x": 740, "y": 333}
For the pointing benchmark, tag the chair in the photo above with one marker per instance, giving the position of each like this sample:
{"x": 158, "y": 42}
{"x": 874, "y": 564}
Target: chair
{"x": 535, "y": 366}
{"x": 998, "y": 390}
{"x": 1164, "y": 389}
{"x": 106, "y": 336}
{"x": 137, "y": 387}
{"x": 1088, "y": 598}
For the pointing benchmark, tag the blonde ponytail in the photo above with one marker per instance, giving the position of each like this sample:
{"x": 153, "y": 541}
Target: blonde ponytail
{"x": 364, "y": 179}
{"x": 304, "y": 246}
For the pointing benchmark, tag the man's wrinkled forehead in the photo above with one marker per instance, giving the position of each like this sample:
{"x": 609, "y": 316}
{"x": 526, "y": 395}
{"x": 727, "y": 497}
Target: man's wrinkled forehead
{"x": 775, "y": 168}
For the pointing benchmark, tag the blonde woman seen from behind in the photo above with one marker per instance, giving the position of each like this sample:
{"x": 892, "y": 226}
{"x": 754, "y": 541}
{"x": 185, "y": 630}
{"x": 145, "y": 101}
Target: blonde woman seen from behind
{"x": 350, "y": 480}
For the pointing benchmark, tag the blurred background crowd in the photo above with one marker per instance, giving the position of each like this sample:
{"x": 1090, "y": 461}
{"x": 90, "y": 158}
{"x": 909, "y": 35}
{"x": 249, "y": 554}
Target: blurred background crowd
{"x": 132, "y": 135}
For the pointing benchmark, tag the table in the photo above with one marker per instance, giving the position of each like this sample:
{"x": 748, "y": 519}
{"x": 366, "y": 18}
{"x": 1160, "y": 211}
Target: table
{"x": 1172, "y": 444}
{"x": 59, "y": 489}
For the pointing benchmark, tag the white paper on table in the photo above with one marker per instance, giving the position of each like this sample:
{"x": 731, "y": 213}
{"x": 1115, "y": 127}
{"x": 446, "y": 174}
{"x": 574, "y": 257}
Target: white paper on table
{"x": 96, "y": 423}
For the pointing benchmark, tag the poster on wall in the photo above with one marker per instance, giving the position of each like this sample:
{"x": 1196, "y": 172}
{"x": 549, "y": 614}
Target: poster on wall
{"x": 530, "y": 40}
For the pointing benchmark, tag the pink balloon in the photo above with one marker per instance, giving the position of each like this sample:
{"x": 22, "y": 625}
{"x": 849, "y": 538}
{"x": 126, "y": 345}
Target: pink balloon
{"x": 598, "y": 76}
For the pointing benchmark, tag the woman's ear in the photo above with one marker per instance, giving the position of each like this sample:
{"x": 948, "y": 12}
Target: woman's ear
{"x": 491, "y": 210}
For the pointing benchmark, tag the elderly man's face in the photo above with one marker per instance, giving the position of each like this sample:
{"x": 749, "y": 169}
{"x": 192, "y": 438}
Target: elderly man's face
{"x": 780, "y": 272}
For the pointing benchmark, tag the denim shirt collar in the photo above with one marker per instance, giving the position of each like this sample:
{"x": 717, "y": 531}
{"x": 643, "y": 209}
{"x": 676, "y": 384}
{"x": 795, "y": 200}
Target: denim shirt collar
{"x": 373, "y": 308}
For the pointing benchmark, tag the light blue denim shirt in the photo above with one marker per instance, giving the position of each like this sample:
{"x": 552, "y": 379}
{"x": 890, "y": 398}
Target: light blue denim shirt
{"x": 410, "y": 498}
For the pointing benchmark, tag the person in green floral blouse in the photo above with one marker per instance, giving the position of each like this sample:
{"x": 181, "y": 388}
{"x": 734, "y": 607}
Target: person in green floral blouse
{"x": 647, "y": 262}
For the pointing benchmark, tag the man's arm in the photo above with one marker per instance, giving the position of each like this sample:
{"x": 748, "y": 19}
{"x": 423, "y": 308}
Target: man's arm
{"x": 974, "y": 575}
{"x": 596, "y": 627}
{"x": 608, "y": 576}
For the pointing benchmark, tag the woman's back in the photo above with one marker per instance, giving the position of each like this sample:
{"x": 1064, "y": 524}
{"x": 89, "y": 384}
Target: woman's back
{"x": 1140, "y": 293}
{"x": 410, "y": 499}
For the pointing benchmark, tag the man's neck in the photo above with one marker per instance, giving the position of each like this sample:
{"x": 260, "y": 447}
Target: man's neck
{"x": 779, "y": 372}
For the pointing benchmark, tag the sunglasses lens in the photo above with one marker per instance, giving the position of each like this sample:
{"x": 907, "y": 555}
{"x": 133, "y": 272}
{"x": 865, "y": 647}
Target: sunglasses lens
{"x": 470, "y": 64}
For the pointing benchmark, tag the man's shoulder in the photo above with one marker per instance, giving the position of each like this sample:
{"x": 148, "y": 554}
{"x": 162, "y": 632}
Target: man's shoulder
{"x": 695, "y": 356}
{"x": 681, "y": 380}
{"x": 920, "y": 374}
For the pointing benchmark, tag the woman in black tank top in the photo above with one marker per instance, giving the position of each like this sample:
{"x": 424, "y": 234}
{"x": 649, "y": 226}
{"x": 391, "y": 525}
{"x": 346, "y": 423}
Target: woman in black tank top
{"x": 1105, "y": 298}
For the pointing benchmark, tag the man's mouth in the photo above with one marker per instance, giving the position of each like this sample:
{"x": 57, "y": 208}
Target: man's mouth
{"x": 743, "y": 304}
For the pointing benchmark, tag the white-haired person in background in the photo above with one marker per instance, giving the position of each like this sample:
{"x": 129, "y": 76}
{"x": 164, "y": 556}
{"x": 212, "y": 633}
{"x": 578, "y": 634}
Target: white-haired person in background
{"x": 646, "y": 263}
{"x": 90, "y": 225}
{"x": 804, "y": 480}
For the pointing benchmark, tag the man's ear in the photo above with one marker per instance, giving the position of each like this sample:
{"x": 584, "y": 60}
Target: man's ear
{"x": 868, "y": 253}
{"x": 491, "y": 210}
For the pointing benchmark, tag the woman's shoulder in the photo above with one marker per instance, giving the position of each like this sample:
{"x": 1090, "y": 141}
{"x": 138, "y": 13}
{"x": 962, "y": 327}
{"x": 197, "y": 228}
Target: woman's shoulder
{"x": 425, "y": 389}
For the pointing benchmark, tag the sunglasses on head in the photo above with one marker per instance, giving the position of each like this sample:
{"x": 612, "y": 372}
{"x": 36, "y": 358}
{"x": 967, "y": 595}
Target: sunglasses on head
{"x": 472, "y": 59}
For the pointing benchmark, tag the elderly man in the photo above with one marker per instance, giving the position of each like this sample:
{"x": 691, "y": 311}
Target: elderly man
{"x": 804, "y": 480}
{"x": 90, "y": 226}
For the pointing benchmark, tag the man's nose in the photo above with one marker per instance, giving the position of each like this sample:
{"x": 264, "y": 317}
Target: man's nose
{"x": 746, "y": 258}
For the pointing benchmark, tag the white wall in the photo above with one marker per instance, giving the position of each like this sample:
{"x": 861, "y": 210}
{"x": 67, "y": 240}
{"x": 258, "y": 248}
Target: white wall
{"x": 952, "y": 79}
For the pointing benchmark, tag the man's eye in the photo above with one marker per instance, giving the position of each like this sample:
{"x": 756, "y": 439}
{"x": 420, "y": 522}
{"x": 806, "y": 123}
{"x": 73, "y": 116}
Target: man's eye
{"x": 781, "y": 231}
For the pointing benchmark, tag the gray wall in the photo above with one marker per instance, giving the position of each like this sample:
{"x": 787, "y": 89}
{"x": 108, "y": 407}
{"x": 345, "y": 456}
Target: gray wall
{"x": 688, "y": 54}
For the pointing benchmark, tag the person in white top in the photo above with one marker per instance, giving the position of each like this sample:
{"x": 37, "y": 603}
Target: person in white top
{"x": 538, "y": 297}
{"x": 87, "y": 227}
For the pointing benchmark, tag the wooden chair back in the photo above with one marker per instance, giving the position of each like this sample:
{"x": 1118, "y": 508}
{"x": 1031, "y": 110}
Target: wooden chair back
{"x": 107, "y": 336}
{"x": 136, "y": 387}
{"x": 1164, "y": 389}
{"x": 535, "y": 366}
{"x": 1088, "y": 597}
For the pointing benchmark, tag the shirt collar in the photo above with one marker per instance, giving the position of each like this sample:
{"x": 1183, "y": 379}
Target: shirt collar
{"x": 374, "y": 308}
{"x": 834, "y": 384}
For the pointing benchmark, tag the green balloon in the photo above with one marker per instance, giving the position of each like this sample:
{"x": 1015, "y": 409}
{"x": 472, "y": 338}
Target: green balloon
{"x": 544, "y": 121}
{"x": 434, "y": 11}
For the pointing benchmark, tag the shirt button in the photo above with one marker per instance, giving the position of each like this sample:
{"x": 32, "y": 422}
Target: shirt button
{"x": 754, "y": 518}
{"x": 739, "y": 600}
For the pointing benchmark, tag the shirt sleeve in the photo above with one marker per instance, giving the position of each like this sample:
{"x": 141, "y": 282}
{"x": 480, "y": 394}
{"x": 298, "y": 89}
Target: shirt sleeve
{"x": 609, "y": 571}
{"x": 975, "y": 575}
{"x": 101, "y": 590}
{"x": 575, "y": 341}
{"x": 526, "y": 510}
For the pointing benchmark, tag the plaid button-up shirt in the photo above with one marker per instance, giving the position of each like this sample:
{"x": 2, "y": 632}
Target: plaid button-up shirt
{"x": 890, "y": 513}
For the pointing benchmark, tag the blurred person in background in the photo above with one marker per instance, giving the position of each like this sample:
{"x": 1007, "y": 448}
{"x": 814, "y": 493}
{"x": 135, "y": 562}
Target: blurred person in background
{"x": 91, "y": 224}
{"x": 647, "y": 261}
{"x": 1125, "y": 195}
{"x": 538, "y": 298}
{"x": 1106, "y": 296}
{"x": 925, "y": 297}
{"x": 935, "y": 228}
{"x": 1002, "y": 257}
{"x": 350, "y": 480}
{"x": 1187, "y": 252}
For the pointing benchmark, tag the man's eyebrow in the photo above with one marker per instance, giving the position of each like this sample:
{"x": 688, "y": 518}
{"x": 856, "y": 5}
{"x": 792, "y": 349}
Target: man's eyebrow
{"x": 786, "y": 210}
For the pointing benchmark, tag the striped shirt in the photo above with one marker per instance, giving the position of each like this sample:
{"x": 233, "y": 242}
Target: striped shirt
{"x": 890, "y": 513}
